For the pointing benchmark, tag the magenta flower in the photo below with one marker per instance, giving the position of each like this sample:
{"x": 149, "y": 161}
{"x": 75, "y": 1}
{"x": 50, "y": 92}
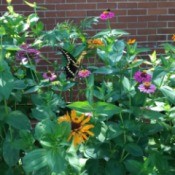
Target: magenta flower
{"x": 147, "y": 87}
{"x": 107, "y": 14}
{"x": 141, "y": 77}
{"x": 27, "y": 53}
{"x": 84, "y": 73}
{"x": 49, "y": 76}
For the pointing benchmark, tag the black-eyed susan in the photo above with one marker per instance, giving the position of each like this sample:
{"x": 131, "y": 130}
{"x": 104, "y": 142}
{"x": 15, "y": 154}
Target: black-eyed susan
{"x": 131, "y": 41}
{"x": 94, "y": 43}
{"x": 79, "y": 127}
{"x": 173, "y": 37}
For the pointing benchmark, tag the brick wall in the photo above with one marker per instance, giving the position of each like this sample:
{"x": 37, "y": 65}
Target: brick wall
{"x": 149, "y": 21}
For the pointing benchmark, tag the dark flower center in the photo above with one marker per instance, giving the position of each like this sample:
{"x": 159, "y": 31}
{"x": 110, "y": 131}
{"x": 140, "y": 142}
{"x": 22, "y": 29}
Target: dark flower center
{"x": 49, "y": 74}
{"x": 143, "y": 74}
{"x": 147, "y": 85}
{"x": 75, "y": 126}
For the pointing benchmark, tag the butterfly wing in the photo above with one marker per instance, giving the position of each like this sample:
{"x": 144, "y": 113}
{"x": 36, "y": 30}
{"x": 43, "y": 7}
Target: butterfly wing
{"x": 71, "y": 67}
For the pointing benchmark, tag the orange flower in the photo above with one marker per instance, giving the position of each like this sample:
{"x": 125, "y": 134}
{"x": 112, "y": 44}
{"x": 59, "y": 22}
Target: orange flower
{"x": 79, "y": 127}
{"x": 173, "y": 37}
{"x": 94, "y": 43}
{"x": 131, "y": 41}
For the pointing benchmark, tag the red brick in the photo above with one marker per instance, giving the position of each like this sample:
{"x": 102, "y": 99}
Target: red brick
{"x": 147, "y": 18}
{"x": 65, "y": 7}
{"x": 157, "y": 11}
{"x": 171, "y": 11}
{"x": 75, "y": 13}
{"x": 166, "y": 4}
{"x": 166, "y": 31}
{"x": 137, "y": 25}
{"x": 127, "y": 18}
{"x": 171, "y": 24}
{"x": 104, "y": 6}
{"x": 127, "y": 5}
{"x": 166, "y": 18}
{"x": 147, "y": 5}
{"x": 146, "y": 31}
{"x": 137, "y": 12}
{"x": 157, "y": 24}
{"x": 86, "y": 6}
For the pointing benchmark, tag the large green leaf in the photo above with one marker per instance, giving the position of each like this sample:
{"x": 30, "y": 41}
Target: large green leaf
{"x": 6, "y": 80}
{"x": 42, "y": 158}
{"x": 133, "y": 166}
{"x": 82, "y": 106}
{"x": 51, "y": 134}
{"x": 35, "y": 160}
{"x": 134, "y": 149}
{"x": 10, "y": 153}
{"x": 106, "y": 110}
{"x": 18, "y": 120}
{"x": 114, "y": 168}
{"x": 169, "y": 93}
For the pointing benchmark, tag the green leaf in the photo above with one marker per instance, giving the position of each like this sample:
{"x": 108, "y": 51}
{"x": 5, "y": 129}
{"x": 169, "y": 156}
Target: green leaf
{"x": 169, "y": 93}
{"x": 56, "y": 161}
{"x": 106, "y": 110}
{"x": 150, "y": 114}
{"x": 126, "y": 84}
{"x": 41, "y": 158}
{"x": 134, "y": 149}
{"x": 2, "y": 31}
{"x": 35, "y": 160}
{"x": 18, "y": 120}
{"x": 6, "y": 80}
{"x": 114, "y": 168}
{"x": 114, "y": 130}
{"x": 105, "y": 70}
{"x": 82, "y": 106}
{"x": 133, "y": 166}
{"x": 4, "y": 113}
{"x": 50, "y": 133}
{"x": 153, "y": 57}
{"x": 32, "y": 19}
{"x": 10, "y": 153}
{"x": 19, "y": 84}
{"x": 110, "y": 33}
{"x": 41, "y": 113}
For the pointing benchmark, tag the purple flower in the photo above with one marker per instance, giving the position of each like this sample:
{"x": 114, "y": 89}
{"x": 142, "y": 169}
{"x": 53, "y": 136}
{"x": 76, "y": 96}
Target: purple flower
{"x": 27, "y": 53}
{"x": 141, "y": 77}
{"x": 107, "y": 14}
{"x": 49, "y": 76}
{"x": 84, "y": 73}
{"x": 147, "y": 88}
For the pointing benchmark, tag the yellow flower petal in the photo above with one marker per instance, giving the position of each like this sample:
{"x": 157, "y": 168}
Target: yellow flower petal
{"x": 65, "y": 118}
{"x": 86, "y": 128}
{"x": 85, "y": 121}
{"x": 131, "y": 41}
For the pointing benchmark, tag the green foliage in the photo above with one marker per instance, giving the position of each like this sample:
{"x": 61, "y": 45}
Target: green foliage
{"x": 129, "y": 129}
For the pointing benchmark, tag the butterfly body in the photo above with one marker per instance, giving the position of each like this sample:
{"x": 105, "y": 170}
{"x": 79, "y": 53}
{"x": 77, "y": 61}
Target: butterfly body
{"x": 71, "y": 67}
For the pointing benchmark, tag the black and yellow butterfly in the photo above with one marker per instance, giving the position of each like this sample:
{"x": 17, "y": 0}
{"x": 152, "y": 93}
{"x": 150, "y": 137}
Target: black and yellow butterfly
{"x": 73, "y": 65}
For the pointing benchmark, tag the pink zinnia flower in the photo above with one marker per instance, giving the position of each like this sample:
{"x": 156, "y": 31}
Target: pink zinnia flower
{"x": 49, "y": 76}
{"x": 107, "y": 14}
{"x": 141, "y": 77}
{"x": 27, "y": 52}
{"x": 84, "y": 73}
{"x": 147, "y": 88}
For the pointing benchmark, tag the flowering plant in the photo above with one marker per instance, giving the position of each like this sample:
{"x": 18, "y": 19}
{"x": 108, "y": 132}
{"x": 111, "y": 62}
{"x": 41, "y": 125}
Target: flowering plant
{"x": 122, "y": 124}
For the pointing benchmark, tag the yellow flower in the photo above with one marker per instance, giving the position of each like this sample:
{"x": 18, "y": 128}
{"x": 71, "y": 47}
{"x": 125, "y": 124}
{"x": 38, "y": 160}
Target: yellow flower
{"x": 94, "y": 43}
{"x": 173, "y": 37}
{"x": 131, "y": 41}
{"x": 79, "y": 127}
